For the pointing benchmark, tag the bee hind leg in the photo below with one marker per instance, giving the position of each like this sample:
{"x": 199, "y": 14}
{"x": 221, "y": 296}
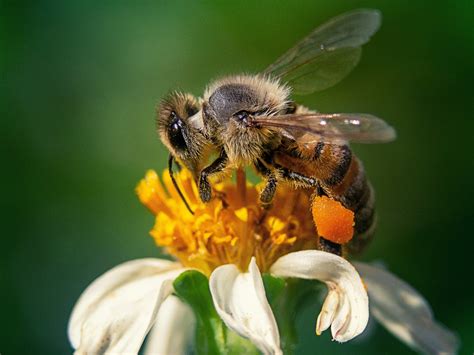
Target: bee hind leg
{"x": 324, "y": 244}
{"x": 330, "y": 247}
{"x": 302, "y": 180}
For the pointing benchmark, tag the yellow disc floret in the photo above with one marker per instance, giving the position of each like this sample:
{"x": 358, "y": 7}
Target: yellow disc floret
{"x": 232, "y": 227}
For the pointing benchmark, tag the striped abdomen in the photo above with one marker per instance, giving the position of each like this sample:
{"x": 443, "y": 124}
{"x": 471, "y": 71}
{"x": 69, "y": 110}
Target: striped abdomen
{"x": 341, "y": 176}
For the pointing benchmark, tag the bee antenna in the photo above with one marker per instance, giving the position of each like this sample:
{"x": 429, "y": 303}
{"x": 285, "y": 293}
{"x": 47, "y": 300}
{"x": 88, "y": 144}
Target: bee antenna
{"x": 170, "y": 171}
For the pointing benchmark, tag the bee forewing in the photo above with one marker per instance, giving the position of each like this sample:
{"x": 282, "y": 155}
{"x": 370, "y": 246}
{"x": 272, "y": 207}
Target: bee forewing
{"x": 327, "y": 54}
{"x": 333, "y": 127}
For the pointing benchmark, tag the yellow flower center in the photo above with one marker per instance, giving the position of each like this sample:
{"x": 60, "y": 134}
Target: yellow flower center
{"x": 231, "y": 228}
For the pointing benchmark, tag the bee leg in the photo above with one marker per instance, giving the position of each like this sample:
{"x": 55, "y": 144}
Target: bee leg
{"x": 216, "y": 166}
{"x": 290, "y": 175}
{"x": 330, "y": 247}
{"x": 268, "y": 192}
{"x": 324, "y": 244}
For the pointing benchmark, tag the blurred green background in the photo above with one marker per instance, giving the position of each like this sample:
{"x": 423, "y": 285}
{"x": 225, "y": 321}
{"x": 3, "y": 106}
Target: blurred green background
{"x": 80, "y": 80}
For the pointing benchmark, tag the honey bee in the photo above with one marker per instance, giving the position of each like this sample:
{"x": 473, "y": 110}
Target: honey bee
{"x": 250, "y": 120}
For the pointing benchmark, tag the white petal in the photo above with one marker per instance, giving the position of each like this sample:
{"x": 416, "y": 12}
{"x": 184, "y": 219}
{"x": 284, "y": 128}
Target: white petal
{"x": 240, "y": 301}
{"x": 328, "y": 311}
{"x": 346, "y": 305}
{"x": 174, "y": 329}
{"x": 405, "y": 313}
{"x": 117, "y": 310}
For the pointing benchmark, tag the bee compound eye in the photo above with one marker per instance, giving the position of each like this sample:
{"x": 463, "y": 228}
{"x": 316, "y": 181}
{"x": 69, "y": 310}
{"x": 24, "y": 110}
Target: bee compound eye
{"x": 175, "y": 127}
{"x": 242, "y": 116}
{"x": 175, "y": 134}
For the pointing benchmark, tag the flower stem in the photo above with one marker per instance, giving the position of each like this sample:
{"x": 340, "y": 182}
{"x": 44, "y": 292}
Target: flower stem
{"x": 241, "y": 180}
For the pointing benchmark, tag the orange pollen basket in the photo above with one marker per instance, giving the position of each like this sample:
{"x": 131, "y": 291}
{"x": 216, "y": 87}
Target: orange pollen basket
{"x": 334, "y": 221}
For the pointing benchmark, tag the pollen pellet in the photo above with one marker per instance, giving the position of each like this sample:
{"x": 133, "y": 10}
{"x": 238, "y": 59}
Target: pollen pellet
{"x": 333, "y": 221}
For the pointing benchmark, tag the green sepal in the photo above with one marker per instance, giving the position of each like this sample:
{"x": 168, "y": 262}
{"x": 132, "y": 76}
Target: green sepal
{"x": 212, "y": 336}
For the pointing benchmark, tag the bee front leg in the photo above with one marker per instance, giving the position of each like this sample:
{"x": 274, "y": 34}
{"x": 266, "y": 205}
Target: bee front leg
{"x": 216, "y": 166}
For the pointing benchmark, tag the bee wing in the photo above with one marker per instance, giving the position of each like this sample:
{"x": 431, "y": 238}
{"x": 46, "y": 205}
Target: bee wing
{"x": 327, "y": 54}
{"x": 336, "y": 128}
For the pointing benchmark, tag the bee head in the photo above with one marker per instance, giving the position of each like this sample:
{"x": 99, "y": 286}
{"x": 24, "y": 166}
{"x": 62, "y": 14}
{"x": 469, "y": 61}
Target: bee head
{"x": 179, "y": 128}
{"x": 236, "y": 100}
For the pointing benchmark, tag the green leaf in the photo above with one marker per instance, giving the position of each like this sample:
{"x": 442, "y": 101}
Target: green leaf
{"x": 236, "y": 345}
{"x": 287, "y": 297}
{"x": 273, "y": 286}
{"x": 212, "y": 336}
{"x": 192, "y": 287}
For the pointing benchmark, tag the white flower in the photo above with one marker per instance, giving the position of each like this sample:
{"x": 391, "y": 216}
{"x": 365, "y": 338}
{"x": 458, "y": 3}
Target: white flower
{"x": 115, "y": 313}
{"x": 119, "y": 309}
{"x": 232, "y": 240}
